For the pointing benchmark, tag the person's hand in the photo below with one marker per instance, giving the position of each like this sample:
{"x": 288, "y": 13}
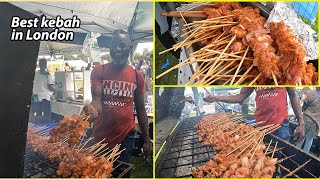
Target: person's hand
{"x": 209, "y": 99}
{"x": 298, "y": 133}
{"x": 147, "y": 148}
{"x": 90, "y": 110}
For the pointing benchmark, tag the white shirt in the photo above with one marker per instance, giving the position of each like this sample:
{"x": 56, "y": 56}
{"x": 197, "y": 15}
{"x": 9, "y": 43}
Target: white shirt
{"x": 40, "y": 86}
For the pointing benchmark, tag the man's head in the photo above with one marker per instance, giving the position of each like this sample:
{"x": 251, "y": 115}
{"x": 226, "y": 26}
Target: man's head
{"x": 120, "y": 47}
{"x": 43, "y": 64}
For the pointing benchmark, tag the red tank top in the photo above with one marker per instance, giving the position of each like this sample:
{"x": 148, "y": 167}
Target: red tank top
{"x": 271, "y": 105}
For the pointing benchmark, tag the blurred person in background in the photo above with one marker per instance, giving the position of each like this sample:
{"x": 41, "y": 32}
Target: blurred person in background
{"x": 311, "y": 116}
{"x": 67, "y": 67}
{"x": 43, "y": 87}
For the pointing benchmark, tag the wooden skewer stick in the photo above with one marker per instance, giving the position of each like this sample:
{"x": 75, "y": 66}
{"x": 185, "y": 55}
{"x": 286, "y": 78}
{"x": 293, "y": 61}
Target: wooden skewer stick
{"x": 275, "y": 147}
{"x": 216, "y": 26}
{"x": 297, "y": 169}
{"x": 212, "y": 67}
{"x": 240, "y": 64}
{"x": 118, "y": 153}
{"x": 201, "y": 70}
{"x": 249, "y": 143}
{"x": 103, "y": 151}
{"x": 92, "y": 148}
{"x": 65, "y": 139}
{"x": 275, "y": 150}
{"x": 230, "y": 54}
{"x": 241, "y": 144}
{"x": 244, "y": 75}
{"x": 85, "y": 144}
{"x": 189, "y": 14}
{"x": 115, "y": 159}
{"x": 237, "y": 129}
{"x": 257, "y": 123}
{"x": 288, "y": 170}
{"x": 190, "y": 36}
{"x": 281, "y": 160}
{"x": 115, "y": 153}
{"x": 274, "y": 78}
{"x": 212, "y": 44}
{"x": 216, "y": 67}
{"x": 264, "y": 127}
{"x": 255, "y": 79}
{"x": 81, "y": 139}
{"x": 188, "y": 27}
{"x": 107, "y": 153}
{"x": 268, "y": 147}
{"x": 261, "y": 138}
{"x": 224, "y": 75}
{"x": 213, "y": 22}
{"x": 211, "y": 19}
{"x": 99, "y": 149}
{"x": 227, "y": 65}
{"x": 174, "y": 67}
{"x": 227, "y": 81}
{"x": 187, "y": 33}
{"x": 190, "y": 11}
{"x": 88, "y": 117}
{"x": 273, "y": 128}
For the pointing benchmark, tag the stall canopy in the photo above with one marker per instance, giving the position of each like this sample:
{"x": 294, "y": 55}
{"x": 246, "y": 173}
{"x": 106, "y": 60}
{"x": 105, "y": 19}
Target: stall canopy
{"x": 98, "y": 17}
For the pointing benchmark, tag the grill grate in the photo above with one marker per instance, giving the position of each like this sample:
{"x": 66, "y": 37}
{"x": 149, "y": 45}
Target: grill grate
{"x": 186, "y": 151}
{"x": 35, "y": 166}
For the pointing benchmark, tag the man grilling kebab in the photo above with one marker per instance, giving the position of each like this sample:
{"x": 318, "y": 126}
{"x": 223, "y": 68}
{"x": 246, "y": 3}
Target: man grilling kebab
{"x": 271, "y": 107}
{"x": 114, "y": 88}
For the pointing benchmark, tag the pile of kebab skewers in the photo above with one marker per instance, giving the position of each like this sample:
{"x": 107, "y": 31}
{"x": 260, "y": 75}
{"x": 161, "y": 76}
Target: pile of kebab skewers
{"x": 75, "y": 160}
{"x": 240, "y": 147}
{"x": 232, "y": 47}
{"x": 73, "y": 127}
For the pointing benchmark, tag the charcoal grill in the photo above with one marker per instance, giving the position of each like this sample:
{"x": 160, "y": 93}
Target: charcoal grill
{"x": 184, "y": 151}
{"x": 36, "y": 166}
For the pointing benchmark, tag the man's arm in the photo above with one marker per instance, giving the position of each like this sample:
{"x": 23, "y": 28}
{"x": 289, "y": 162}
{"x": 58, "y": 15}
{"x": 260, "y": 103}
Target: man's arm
{"x": 295, "y": 105}
{"x": 239, "y": 98}
{"x": 143, "y": 123}
{"x": 299, "y": 132}
{"x": 96, "y": 92}
{"x": 142, "y": 115}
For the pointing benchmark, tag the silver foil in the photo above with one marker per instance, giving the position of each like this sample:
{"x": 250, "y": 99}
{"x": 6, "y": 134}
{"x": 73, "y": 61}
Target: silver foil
{"x": 307, "y": 36}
